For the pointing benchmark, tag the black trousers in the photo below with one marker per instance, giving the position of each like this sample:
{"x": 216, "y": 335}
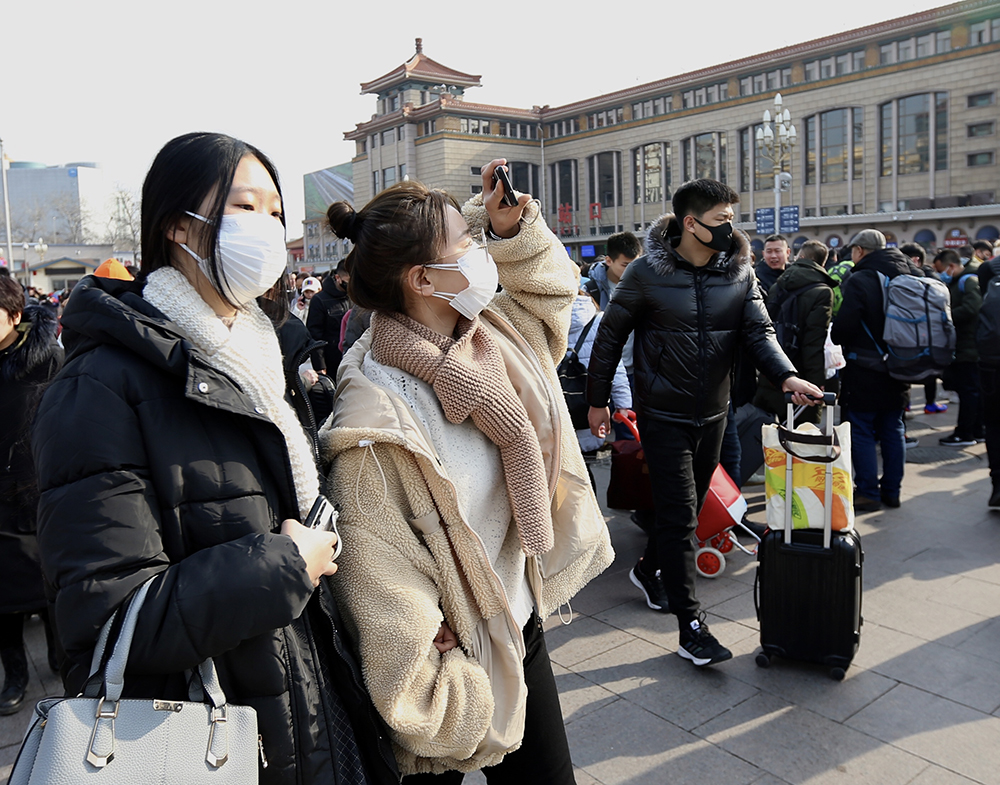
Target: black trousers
{"x": 543, "y": 756}
{"x": 681, "y": 461}
{"x": 989, "y": 380}
{"x": 965, "y": 379}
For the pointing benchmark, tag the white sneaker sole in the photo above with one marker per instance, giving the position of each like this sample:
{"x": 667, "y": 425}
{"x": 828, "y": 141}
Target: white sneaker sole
{"x": 700, "y": 662}
{"x": 638, "y": 584}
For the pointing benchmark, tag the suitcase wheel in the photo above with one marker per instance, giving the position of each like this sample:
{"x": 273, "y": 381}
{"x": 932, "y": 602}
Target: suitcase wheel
{"x": 709, "y": 562}
{"x": 723, "y": 542}
{"x": 837, "y": 674}
{"x": 763, "y": 661}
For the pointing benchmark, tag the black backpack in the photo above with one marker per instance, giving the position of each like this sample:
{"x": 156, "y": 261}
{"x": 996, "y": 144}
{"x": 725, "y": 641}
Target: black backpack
{"x": 988, "y": 329}
{"x": 784, "y": 313}
{"x": 573, "y": 378}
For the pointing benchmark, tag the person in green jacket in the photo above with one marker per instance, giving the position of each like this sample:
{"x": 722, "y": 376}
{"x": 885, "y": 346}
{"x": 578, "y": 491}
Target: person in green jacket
{"x": 966, "y": 300}
{"x": 813, "y": 288}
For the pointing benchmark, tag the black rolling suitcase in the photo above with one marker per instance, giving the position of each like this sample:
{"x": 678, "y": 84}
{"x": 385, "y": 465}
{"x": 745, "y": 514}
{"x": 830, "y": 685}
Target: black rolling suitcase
{"x": 807, "y": 591}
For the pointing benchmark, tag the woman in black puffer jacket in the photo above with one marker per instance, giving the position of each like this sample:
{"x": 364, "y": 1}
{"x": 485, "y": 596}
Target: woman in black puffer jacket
{"x": 167, "y": 448}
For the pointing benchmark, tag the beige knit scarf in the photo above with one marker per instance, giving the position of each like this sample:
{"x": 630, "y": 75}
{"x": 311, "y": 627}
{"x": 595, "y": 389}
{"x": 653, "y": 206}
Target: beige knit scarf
{"x": 470, "y": 380}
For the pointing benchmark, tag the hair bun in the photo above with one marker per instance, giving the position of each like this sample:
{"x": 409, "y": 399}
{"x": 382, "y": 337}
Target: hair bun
{"x": 344, "y": 222}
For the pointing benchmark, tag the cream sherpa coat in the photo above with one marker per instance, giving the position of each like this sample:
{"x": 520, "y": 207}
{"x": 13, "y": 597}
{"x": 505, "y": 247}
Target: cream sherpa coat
{"x": 410, "y": 561}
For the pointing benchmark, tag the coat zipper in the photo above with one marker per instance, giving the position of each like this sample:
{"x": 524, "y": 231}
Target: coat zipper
{"x": 699, "y": 294}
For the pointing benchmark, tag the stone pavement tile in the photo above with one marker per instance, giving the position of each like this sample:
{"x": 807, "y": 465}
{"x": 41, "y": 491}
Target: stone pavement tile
{"x": 935, "y": 775}
{"x": 714, "y": 591}
{"x": 665, "y": 684}
{"x": 973, "y": 595}
{"x": 800, "y": 746}
{"x": 938, "y": 669}
{"x": 579, "y": 696}
{"x": 7, "y": 757}
{"x": 808, "y": 685}
{"x": 938, "y": 730}
{"x": 584, "y": 638}
{"x": 583, "y": 778}
{"x": 985, "y": 641}
{"x": 660, "y": 629}
{"x": 623, "y": 743}
{"x": 607, "y": 590}
{"x": 769, "y": 779}
{"x": 739, "y": 609}
{"x": 913, "y": 606}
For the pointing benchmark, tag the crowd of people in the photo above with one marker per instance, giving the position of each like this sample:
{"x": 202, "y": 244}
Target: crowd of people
{"x": 171, "y": 431}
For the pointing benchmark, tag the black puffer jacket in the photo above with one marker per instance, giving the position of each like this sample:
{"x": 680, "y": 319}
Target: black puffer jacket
{"x": 689, "y": 322}
{"x": 326, "y": 312}
{"x": 814, "y": 309}
{"x": 25, "y": 366}
{"x": 152, "y": 463}
{"x": 864, "y": 389}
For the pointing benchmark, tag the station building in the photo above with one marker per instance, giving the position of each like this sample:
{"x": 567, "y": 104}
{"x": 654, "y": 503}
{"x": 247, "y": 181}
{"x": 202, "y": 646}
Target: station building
{"x": 896, "y": 126}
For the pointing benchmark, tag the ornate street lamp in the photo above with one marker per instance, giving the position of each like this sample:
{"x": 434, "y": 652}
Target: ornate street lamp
{"x": 776, "y": 140}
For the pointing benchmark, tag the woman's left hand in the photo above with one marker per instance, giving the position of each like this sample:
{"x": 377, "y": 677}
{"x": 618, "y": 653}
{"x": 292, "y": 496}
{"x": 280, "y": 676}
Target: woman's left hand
{"x": 445, "y": 640}
{"x": 504, "y": 220}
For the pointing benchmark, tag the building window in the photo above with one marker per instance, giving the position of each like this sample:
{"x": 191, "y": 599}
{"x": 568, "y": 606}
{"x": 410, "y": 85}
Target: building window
{"x": 606, "y": 118}
{"x": 475, "y": 189}
{"x": 428, "y": 127}
{"x": 473, "y": 125}
{"x": 388, "y": 137}
{"x": 563, "y": 127}
{"x": 475, "y": 171}
{"x": 980, "y": 159}
{"x": 914, "y": 145}
{"x": 402, "y": 172}
{"x": 984, "y": 32}
{"x": 652, "y": 107}
{"x": 980, "y": 129}
{"x": 605, "y": 180}
{"x": 393, "y": 103}
{"x": 374, "y": 141}
{"x": 362, "y": 146}
{"x": 709, "y": 94}
{"x": 705, "y": 156}
{"x": 912, "y": 48}
{"x": 523, "y": 176}
{"x": 651, "y": 173}
{"x": 388, "y": 176}
{"x": 563, "y": 175}
{"x": 980, "y": 99}
{"x": 374, "y": 182}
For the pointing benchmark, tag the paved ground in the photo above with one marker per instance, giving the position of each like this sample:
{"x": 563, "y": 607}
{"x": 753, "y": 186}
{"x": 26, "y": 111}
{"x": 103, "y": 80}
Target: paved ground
{"x": 920, "y": 705}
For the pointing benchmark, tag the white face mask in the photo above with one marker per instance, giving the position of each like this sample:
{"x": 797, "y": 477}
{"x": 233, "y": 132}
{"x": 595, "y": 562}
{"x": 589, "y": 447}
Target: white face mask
{"x": 480, "y": 271}
{"x": 252, "y": 255}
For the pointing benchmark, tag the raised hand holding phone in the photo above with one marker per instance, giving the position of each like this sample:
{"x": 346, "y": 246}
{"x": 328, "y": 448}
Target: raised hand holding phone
{"x": 504, "y": 218}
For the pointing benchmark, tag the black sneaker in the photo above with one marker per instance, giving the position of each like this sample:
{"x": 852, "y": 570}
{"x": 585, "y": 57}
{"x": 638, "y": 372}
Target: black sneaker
{"x": 864, "y": 504}
{"x": 700, "y": 646}
{"x": 911, "y": 441}
{"x": 956, "y": 441}
{"x": 652, "y": 587}
{"x": 995, "y": 498}
{"x": 889, "y": 500}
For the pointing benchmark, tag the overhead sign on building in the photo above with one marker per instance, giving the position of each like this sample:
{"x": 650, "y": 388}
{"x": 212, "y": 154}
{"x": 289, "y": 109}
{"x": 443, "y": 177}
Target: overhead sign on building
{"x": 955, "y": 238}
{"x": 765, "y": 220}
{"x": 789, "y": 219}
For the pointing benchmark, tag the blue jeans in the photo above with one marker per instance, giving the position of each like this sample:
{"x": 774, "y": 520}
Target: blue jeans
{"x": 886, "y": 428}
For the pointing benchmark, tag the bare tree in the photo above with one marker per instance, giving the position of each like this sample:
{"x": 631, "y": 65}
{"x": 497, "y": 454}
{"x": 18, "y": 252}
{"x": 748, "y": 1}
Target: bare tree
{"x": 73, "y": 219}
{"x": 28, "y": 222}
{"x": 123, "y": 227}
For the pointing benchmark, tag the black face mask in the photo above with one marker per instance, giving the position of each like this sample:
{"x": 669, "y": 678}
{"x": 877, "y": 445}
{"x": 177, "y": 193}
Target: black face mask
{"x": 722, "y": 236}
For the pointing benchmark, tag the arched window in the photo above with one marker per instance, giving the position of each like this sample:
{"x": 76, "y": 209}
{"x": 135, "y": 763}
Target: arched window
{"x": 524, "y": 177}
{"x": 834, "y": 145}
{"x": 920, "y": 123}
{"x": 799, "y": 242}
{"x": 990, "y": 233}
{"x": 605, "y": 178}
{"x": 562, "y": 185}
{"x": 651, "y": 173}
{"x": 926, "y": 238}
{"x": 705, "y": 156}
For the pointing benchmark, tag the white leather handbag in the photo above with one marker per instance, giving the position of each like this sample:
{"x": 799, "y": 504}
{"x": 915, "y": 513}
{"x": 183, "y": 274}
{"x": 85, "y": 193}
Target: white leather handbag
{"x": 108, "y": 740}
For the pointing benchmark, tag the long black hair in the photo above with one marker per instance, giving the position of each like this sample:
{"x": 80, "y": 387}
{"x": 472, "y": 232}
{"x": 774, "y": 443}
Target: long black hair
{"x": 182, "y": 175}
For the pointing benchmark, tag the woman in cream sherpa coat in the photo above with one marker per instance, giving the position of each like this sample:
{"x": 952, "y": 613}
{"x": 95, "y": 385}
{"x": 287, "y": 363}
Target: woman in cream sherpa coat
{"x": 447, "y": 569}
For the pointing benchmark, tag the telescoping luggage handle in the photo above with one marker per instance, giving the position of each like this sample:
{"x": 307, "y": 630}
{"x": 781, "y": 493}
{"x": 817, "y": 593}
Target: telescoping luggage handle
{"x": 829, "y": 440}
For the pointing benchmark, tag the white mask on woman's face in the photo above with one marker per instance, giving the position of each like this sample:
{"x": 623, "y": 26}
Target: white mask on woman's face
{"x": 480, "y": 271}
{"x": 252, "y": 255}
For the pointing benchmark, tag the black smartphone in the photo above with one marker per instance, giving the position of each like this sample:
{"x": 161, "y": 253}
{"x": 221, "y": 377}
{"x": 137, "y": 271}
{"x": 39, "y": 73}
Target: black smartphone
{"x": 500, "y": 173}
{"x": 323, "y": 517}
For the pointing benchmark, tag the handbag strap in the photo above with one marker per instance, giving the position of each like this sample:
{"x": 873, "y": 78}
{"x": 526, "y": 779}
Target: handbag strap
{"x": 583, "y": 335}
{"x": 787, "y": 438}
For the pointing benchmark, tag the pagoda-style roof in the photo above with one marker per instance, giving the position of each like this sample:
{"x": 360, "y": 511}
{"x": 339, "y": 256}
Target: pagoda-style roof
{"x": 420, "y": 68}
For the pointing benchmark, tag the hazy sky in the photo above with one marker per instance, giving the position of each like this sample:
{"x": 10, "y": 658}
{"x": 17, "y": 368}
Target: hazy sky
{"x": 111, "y": 81}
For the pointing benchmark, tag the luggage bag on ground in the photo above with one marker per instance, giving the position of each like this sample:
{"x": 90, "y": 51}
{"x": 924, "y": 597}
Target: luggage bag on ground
{"x": 807, "y": 591}
{"x": 629, "y": 487}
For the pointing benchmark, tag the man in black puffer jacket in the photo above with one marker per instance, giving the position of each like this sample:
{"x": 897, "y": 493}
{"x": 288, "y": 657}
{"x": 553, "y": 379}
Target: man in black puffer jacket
{"x": 873, "y": 401}
{"x": 326, "y": 312}
{"x": 692, "y": 300}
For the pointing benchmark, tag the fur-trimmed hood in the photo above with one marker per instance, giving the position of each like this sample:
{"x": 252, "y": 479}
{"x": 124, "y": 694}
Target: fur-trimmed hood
{"x": 664, "y": 235}
{"x": 34, "y": 345}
